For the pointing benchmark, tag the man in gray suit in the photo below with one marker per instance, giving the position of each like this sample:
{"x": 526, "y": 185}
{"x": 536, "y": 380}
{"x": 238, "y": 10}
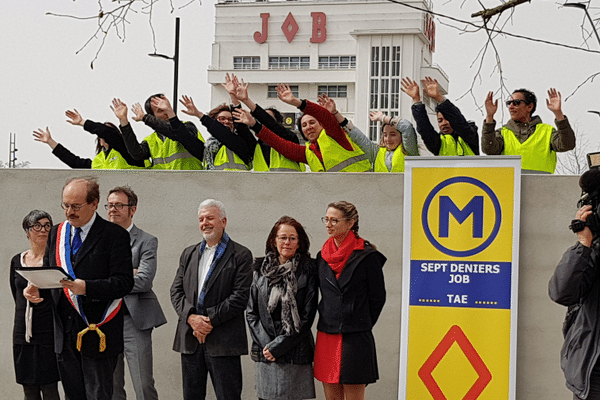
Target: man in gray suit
{"x": 142, "y": 311}
{"x": 210, "y": 293}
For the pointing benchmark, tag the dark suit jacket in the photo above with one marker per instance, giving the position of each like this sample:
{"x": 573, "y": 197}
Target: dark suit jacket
{"x": 142, "y": 303}
{"x": 353, "y": 302}
{"x": 226, "y": 299}
{"x": 104, "y": 262}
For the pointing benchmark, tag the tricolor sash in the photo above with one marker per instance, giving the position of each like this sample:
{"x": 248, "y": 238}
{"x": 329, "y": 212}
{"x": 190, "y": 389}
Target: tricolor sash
{"x": 63, "y": 260}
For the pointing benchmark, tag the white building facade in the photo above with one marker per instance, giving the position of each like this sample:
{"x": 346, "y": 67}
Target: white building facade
{"x": 356, "y": 51}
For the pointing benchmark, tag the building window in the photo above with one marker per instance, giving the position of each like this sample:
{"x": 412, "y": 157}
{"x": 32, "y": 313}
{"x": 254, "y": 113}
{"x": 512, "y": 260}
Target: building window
{"x": 272, "y": 91}
{"x": 246, "y": 62}
{"x": 334, "y": 91}
{"x": 385, "y": 84}
{"x": 334, "y": 62}
{"x": 289, "y": 62}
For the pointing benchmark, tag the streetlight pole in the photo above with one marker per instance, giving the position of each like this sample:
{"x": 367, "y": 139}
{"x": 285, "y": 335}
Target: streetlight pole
{"x": 584, "y": 8}
{"x": 175, "y": 59}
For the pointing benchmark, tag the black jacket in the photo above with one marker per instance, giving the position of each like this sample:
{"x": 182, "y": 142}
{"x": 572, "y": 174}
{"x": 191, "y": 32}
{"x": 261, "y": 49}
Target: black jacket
{"x": 353, "y": 302}
{"x": 576, "y": 282}
{"x": 266, "y": 329}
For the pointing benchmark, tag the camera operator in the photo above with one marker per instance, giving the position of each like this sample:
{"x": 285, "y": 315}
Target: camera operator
{"x": 576, "y": 284}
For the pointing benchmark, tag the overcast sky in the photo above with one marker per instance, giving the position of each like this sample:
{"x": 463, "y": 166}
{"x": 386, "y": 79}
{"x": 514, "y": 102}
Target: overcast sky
{"x": 42, "y": 76}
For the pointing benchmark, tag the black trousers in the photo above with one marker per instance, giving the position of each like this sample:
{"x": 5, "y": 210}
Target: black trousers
{"x": 85, "y": 378}
{"x": 594, "y": 384}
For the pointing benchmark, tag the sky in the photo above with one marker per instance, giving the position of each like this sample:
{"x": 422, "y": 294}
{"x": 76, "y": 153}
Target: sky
{"x": 42, "y": 75}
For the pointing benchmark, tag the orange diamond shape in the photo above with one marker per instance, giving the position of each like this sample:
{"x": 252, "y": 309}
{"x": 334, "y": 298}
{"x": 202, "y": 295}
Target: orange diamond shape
{"x": 455, "y": 334}
{"x": 289, "y": 27}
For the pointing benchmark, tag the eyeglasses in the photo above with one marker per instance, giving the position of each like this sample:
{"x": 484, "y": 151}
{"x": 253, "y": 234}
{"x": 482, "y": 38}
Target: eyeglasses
{"x": 74, "y": 207}
{"x": 516, "y": 102}
{"x": 116, "y": 206}
{"x": 283, "y": 238}
{"x": 224, "y": 119}
{"x": 332, "y": 221}
{"x": 38, "y": 227}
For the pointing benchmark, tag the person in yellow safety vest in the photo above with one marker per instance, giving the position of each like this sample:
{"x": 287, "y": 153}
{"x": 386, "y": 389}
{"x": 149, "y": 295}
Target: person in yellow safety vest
{"x": 111, "y": 152}
{"x": 174, "y": 144}
{"x": 457, "y": 136}
{"x": 398, "y": 138}
{"x": 229, "y": 148}
{"x": 265, "y": 157}
{"x": 328, "y": 149}
{"x": 525, "y": 134}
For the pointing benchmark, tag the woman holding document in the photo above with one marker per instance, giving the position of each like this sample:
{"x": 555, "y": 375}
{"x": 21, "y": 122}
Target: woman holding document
{"x": 33, "y": 334}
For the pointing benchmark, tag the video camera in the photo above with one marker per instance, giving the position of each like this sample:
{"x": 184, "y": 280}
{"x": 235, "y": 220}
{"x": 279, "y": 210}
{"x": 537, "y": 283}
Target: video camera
{"x": 590, "y": 195}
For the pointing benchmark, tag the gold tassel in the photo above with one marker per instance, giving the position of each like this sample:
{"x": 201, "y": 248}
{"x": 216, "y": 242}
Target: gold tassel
{"x": 92, "y": 327}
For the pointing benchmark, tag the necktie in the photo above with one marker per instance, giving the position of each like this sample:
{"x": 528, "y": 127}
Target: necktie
{"x": 76, "y": 243}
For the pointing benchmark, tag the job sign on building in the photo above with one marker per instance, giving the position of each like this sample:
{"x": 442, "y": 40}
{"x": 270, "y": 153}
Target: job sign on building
{"x": 460, "y": 271}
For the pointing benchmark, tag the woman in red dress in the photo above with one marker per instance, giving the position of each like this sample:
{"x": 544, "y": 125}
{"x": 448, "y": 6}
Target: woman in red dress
{"x": 352, "y": 297}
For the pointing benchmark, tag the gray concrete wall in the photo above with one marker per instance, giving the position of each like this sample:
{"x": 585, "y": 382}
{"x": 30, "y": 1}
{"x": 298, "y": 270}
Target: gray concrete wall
{"x": 254, "y": 201}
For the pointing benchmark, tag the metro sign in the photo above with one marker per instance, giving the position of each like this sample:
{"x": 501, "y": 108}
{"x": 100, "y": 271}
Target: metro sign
{"x": 290, "y": 27}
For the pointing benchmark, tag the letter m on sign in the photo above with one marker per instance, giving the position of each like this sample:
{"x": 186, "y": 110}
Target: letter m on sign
{"x": 475, "y": 208}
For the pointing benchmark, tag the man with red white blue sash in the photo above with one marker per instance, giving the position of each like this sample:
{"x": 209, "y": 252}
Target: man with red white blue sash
{"x": 88, "y": 319}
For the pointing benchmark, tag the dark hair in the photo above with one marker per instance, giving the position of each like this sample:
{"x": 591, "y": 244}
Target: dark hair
{"x": 349, "y": 211}
{"x": 98, "y": 145}
{"x": 93, "y": 188}
{"x": 299, "y": 125}
{"x": 132, "y": 198}
{"x": 218, "y": 109}
{"x": 529, "y": 98}
{"x": 303, "y": 241}
{"x": 148, "y": 103}
{"x": 276, "y": 114}
{"x": 33, "y": 217}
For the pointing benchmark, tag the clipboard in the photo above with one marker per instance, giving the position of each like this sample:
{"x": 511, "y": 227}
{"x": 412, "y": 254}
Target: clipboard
{"x": 44, "y": 277}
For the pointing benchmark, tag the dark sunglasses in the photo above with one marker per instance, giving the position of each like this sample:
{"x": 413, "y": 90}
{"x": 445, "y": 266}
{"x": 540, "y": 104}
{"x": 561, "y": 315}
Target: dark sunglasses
{"x": 516, "y": 102}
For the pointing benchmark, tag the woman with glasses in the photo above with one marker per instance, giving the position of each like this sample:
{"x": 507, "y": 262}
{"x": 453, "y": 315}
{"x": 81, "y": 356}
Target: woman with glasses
{"x": 33, "y": 334}
{"x": 280, "y": 313}
{"x": 352, "y": 297}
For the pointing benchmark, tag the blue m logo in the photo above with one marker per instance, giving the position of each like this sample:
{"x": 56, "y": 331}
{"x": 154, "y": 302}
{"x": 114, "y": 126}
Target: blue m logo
{"x": 474, "y": 208}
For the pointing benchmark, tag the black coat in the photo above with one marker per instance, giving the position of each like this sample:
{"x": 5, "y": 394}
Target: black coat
{"x": 353, "y": 302}
{"x": 104, "y": 263}
{"x": 266, "y": 329}
{"x": 225, "y": 301}
{"x": 576, "y": 281}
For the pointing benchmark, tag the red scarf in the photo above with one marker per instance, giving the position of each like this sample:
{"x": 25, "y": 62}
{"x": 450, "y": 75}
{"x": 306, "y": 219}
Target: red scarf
{"x": 337, "y": 257}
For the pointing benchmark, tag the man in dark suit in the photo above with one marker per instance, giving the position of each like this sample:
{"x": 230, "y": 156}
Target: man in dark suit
{"x": 210, "y": 293}
{"x": 142, "y": 311}
{"x": 88, "y": 320}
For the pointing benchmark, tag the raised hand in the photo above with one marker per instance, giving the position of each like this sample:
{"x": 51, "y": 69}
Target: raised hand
{"x": 120, "y": 110}
{"x": 411, "y": 88}
{"x": 285, "y": 94}
{"x": 432, "y": 89}
{"x": 138, "y": 112}
{"x": 243, "y": 116}
{"x": 229, "y": 84}
{"x": 491, "y": 106}
{"x": 328, "y": 103}
{"x": 376, "y": 116}
{"x": 191, "y": 109}
{"x": 74, "y": 117}
{"x": 553, "y": 102}
{"x": 44, "y": 136}
{"x": 163, "y": 104}
{"x": 241, "y": 90}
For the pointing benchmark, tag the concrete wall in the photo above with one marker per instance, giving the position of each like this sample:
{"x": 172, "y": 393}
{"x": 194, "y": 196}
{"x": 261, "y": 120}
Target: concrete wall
{"x": 168, "y": 209}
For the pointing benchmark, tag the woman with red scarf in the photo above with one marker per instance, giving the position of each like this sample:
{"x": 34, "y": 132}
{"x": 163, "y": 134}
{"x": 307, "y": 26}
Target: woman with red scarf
{"x": 352, "y": 297}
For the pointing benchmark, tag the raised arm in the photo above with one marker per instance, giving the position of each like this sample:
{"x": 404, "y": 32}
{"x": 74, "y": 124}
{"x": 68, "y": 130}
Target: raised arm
{"x": 563, "y": 138}
{"x": 62, "y": 153}
{"x": 492, "y": 142}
